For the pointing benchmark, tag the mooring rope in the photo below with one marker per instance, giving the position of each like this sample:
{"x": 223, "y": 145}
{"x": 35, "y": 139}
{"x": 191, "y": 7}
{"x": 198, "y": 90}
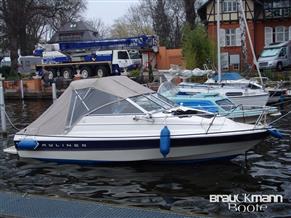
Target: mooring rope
{"x": 280, "y": 118}
{"x": 9, "y": 120}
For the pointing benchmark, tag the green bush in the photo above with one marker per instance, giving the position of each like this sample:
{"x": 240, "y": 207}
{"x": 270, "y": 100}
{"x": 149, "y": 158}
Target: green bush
{"x": 5, "y": 71}
{"x": 197, "y": 48}
{"x": 134, "y": 73}
{"x": 8, "y": 74}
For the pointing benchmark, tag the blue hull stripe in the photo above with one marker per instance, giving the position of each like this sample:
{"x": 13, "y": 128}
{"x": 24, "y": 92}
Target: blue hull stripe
{"x": 143, "y": 144}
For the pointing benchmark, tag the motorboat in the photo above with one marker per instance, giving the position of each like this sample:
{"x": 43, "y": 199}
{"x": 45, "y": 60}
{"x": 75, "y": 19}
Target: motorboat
{"x": 275, "y": 90}
{"x": 239, "y": 95}
{"x": 216, "y": 103}
{"x": 115, "y": 119}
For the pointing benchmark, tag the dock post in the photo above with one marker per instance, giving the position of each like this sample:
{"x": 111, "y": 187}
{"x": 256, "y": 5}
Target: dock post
{"x": 54, "y": 92}
{"x": 21, "y": 89}
{"x": 2, "y": 108}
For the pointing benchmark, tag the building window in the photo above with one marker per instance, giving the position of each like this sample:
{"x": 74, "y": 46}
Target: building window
{"x": 277, "y": 8}
{"x": 281, "y": 4}
{"x": 286, "y": 34}
{"x": 229, "y": 6}
{"x": 268, "y": 35}
{"x": 230, "y": 37}
{"x": 224, "y": 61}
{"x": 234, "y": 60}
{"x": 280, "y": 34}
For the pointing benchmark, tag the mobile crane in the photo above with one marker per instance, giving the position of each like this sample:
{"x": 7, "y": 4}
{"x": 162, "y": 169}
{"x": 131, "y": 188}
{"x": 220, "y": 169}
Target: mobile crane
{"x": 102, "y": 57}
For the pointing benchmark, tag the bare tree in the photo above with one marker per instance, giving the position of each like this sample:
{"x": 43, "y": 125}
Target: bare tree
{"x": 190, "y": 13}
{"x": 161, "y": 22}
{"x": 99, "y": 26}
{"x": 22, "y": 21}
{"x": 120, "y": 29}
{"x": 167, "y": 18}
{"x": 135, "y": 22}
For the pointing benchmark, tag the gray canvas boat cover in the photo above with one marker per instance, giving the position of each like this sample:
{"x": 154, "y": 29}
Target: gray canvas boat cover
{"x": 81, "y": 98}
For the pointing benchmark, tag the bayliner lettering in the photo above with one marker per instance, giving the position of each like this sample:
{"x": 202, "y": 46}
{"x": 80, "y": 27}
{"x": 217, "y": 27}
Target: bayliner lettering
{"x": 246, "y": 202}
{"x": 63, "y": 145}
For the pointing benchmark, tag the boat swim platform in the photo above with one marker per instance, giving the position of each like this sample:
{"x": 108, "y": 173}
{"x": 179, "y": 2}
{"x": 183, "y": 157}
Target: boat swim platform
{"x": 33, "y": 206}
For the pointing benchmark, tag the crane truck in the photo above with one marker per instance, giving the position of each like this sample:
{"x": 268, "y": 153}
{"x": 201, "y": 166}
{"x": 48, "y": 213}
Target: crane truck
{"x": 88, "y": 58}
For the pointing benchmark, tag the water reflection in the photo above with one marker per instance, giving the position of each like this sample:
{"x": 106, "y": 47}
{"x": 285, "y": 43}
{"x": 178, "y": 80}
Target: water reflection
{"x": 180, "y": 188}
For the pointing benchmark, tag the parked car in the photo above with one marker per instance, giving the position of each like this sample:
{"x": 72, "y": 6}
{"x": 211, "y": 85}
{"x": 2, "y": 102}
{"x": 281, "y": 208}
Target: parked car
{"x": 276, "y": 56}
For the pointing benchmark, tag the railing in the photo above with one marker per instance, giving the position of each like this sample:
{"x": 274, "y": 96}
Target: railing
{"x": 263, "y": 116}
{"x": 211, "y": 123}
{"x": 284, "y": 12}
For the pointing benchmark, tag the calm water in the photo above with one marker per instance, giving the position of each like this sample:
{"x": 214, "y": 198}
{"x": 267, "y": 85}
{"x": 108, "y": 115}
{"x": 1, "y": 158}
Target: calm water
{"x": 179, "y": 188}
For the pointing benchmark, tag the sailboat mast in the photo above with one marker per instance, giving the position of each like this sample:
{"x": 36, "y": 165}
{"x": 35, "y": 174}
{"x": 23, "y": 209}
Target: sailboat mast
{"x": 250, "y": 41}
{"x": 218, "y": 40}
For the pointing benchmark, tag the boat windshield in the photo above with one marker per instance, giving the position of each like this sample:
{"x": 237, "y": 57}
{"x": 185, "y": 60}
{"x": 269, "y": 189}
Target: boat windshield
{"x": 270, "y": 52}
{"x": 153, "y": 102}
{"x": 225, "y": 104}
{"x": 168, "y": 89}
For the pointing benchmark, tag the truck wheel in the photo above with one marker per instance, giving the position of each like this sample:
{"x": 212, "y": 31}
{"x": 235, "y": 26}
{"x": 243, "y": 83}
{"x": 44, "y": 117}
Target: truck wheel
{"x": 47, "y": 77}
{"x": 85, "y": 72}
{"x": 280, "y": 66}
{"x": 101, "y": 72}
{"x": 67, "y": 73}
{"x": 51, "y": 74}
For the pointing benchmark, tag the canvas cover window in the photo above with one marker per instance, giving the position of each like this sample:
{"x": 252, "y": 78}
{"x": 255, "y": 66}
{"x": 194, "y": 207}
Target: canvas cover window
{"x": 152, "y": 102}
{"x": 84, "y": 101}
{"x": 119, "y": 107}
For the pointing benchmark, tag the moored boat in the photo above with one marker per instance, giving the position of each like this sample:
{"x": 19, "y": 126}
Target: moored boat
{"x": 239, "y": 95}
{"x": 116, "y": 119}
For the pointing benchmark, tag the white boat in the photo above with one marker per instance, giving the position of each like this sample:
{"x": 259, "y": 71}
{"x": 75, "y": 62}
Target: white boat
{"x": 239, "y": 95}
{"x": 116, "y": 119}
{"x": 275, "y": 90}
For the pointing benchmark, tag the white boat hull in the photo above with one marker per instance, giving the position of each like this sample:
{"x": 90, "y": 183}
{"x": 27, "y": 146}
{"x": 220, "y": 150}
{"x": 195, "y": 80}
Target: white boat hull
{"x": 182, "y": 153}
{"x": 187, "y": 147}
{"x": 258, "y": 100}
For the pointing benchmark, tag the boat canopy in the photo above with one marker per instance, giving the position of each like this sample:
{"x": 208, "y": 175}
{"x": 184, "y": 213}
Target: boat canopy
{"x": 83, "y": 97}
{"x": 228, "y": 76}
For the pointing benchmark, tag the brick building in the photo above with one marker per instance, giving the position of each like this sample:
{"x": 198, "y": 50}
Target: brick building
{"x": 269, "y": 21}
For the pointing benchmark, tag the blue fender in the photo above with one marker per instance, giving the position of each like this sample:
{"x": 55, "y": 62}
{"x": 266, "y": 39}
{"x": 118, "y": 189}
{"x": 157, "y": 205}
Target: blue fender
{"x": 27, "y": 144}
{"x": 165, "y": 141}
{"x": 275, "y": 133}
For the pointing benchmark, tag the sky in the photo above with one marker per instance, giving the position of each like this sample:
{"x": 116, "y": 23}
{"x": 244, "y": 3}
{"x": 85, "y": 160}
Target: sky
{"x": 108, "y": 10}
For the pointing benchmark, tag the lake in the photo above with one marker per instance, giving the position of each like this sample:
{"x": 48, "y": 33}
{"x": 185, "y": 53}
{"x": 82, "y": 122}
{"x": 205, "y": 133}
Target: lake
{"x": 181, "y": 188}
